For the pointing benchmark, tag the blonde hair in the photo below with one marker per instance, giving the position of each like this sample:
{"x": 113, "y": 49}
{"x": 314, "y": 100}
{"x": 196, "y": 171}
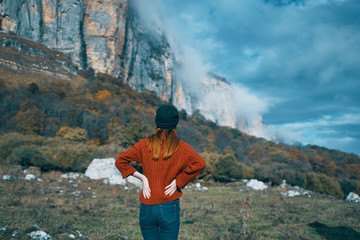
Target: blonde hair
{"x": 156, "y": 141}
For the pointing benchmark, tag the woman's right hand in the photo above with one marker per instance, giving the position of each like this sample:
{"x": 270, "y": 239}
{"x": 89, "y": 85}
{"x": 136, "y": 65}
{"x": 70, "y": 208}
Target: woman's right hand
{"x": 146, "y": 187}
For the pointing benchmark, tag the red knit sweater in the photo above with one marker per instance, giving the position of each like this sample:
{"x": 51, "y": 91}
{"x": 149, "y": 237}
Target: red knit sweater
{"x": 184, "y": 165}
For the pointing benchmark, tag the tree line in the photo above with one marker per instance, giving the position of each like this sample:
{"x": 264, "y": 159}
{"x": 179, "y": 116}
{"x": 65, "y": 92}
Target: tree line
{"x": 57, "y": 126}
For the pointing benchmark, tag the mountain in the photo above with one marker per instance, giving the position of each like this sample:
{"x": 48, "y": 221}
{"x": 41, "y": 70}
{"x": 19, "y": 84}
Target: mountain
{"x": 105, "y": 36}
{"x": 110, "y": 37}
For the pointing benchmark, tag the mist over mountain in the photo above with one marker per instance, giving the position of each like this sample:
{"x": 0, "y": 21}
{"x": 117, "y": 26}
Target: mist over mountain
{"x": 125, "y": 39}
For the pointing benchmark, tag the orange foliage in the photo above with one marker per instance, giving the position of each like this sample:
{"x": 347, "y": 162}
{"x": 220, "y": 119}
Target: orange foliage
{"x": 298, "y": 155}
{"x": 63, "y": 130}
{"x": 93, "y": 142}
{"x": 102, "y": 94}
{"x": 256, "y": 152}
{"x": 75, "y": 134}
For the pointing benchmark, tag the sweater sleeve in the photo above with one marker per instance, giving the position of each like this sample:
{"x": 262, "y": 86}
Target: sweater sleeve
{"x": 123, "y": 160}
{"x": 193, "y": 167}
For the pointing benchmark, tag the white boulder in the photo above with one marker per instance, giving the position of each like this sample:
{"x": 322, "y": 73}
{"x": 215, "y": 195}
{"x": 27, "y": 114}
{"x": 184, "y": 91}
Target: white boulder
{"x": 199, "y": 188}
{"x": 353, "y": 197}
{"x": 8, "y": 177}
{"x": 30, "y": 177}
{"x": 256, "y": 184}
{"x": 283, "y": 184}
{"x": 39, "y": 235}
{"x": 291, "y": 193}
{"x": 105, "y": 169}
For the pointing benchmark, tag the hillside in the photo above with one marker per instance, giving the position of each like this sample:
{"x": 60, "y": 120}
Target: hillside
{"x": 61, "y": 124}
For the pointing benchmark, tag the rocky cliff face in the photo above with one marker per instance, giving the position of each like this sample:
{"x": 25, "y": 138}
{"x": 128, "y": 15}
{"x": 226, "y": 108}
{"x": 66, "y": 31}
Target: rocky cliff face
{"x": 108, "y": 36}
{"x": 103, "y": 35}
{"x": 216, "y": 103}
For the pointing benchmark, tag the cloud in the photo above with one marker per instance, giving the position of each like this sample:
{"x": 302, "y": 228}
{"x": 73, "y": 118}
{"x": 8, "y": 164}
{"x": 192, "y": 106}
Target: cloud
{"x": 194, "y": 65}
{"x": 303, "y": 53}
{"x": 249, "y": 106}
{"x": 326, "y": 121}
{"x": 303, "y": 3}
{"x": 329, "y": 130}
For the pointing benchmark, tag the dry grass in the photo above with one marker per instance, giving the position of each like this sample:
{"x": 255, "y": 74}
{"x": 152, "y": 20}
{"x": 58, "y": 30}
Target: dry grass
{"x": 61, "y": 206}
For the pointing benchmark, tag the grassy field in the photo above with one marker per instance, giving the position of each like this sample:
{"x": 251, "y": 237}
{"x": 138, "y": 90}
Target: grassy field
{"x": 90, "y": 209}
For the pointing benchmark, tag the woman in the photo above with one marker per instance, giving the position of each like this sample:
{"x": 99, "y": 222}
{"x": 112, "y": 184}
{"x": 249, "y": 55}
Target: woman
{"x": 169, "y": 164}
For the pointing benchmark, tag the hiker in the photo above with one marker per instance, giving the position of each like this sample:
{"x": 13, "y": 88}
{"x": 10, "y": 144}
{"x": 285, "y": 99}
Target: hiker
{"x": 169, "y": 164}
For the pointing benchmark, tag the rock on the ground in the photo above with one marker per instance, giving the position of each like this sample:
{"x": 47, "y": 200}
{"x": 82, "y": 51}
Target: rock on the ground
{"x": 291, "y": 193}
{"x": 9, "y": 177}
{"x": 30, "y": 177}
{"x": 105, "y": 168}
{"x": 283, "y": 184}
{"x": 33, "y": 170}
{"x": 353, "y": 197}
{"x": 39, "y": 235}
{"x": 199, "y": 188}
{"x": 71, "y": 175}
{"x": 80, "y": 234}
{"x": 296, "y": 191}
{"x": 256, "y": 184}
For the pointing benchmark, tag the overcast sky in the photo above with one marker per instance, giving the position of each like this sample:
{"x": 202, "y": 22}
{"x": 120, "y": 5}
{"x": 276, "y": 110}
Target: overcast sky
{"x": 300, "y": 57}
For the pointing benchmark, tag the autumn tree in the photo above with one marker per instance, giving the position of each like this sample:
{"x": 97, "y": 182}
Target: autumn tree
{"x": 74, "y": 134}
{"x": 227, "y": 169}
{"x": 131, "y": 133}
{"x": 29, "y": 121}
{"x": 102, "y": 95}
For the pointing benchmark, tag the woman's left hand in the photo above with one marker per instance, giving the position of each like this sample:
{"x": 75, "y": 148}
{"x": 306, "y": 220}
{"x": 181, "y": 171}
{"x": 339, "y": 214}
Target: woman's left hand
{"x": 171, "y": 188}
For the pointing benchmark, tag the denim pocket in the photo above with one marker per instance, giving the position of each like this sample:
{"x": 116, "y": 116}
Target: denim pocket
{"x": 170, "y": 211}
{"x": 143, "y": 211}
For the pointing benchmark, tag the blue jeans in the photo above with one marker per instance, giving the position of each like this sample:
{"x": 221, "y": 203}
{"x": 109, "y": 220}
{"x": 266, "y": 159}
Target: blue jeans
{"x": 160, "y": 221}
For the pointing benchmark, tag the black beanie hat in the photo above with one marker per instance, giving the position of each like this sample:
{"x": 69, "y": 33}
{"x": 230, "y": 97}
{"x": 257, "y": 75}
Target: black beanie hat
{"x": 167, "y": 117}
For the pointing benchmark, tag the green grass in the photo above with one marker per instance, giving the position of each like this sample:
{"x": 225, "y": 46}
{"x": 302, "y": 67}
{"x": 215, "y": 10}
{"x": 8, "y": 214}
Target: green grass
{"x": 225, "y": 211}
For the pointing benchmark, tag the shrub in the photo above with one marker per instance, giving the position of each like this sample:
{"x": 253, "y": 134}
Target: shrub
{"x": 131, "y": 133}
{"x": 9, "y": 141}
{"x": 228, "y": 169}
{"x": 347, "y": 187}
{"x": 69, "y": 156}
{"x": 324, "y": 184}
{"x": 30, "y": 156}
